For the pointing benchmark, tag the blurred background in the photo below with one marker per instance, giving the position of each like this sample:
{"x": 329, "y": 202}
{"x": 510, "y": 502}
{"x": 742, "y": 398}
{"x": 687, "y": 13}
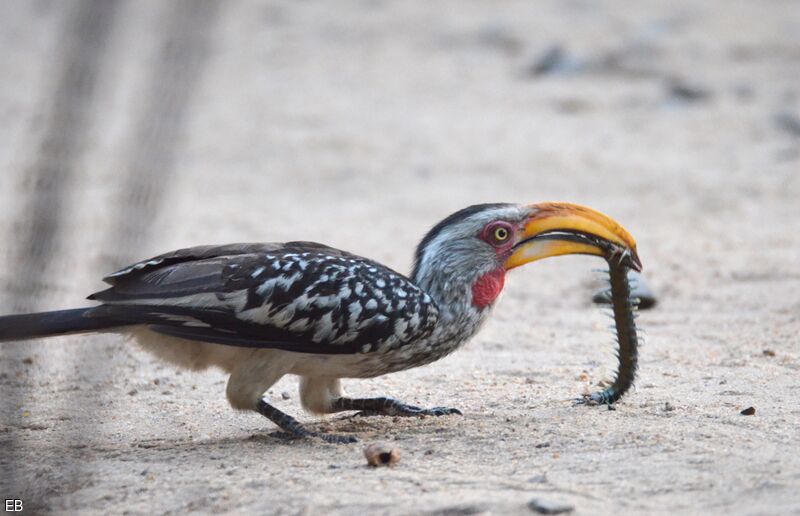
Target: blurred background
{"x": 130, "y": 128}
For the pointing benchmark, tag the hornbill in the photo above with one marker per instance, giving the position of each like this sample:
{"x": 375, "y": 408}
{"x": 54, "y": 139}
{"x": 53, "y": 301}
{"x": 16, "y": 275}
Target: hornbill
{"x": 261, "y": 311}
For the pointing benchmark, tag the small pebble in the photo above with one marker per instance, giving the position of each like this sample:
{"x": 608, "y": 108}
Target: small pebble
{"x": 538, "y": 479}
{"x": 27, "y": 360}
{"x": 549, "y": 507}
{"x": 285, "y": 395}
{"x": 686, "y": 92}
{"x": 668, "y": 407}
{"x": 768, "y": 353}
{"x": 555, "y": 60}
{"x": 381, "y": 454}
{"x": 788, "y": 122}
{"x": 749, "y": 411}
{"x": 548, "y": 61}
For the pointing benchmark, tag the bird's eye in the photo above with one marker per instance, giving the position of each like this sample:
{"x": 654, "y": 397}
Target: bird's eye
{"x": 500, "y": 234}
{"x": 497, "y": 233}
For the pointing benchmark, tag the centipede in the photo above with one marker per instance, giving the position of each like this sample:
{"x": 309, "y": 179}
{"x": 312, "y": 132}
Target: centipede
{"x": 624, "y": 312}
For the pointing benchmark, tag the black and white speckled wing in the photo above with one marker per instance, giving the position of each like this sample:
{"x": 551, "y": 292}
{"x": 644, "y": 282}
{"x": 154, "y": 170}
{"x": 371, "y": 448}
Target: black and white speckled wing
{"x": 298, "y": 296}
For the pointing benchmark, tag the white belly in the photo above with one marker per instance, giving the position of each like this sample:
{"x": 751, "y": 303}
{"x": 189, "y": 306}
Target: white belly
{"x": 197, "y": 356}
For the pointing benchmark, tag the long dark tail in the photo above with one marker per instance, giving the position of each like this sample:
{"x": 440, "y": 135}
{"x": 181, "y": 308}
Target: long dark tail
{"x": 47, "y": 324}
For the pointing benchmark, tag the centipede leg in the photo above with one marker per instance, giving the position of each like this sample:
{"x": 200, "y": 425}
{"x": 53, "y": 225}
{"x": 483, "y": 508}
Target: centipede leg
{"x": 627, "y": 340}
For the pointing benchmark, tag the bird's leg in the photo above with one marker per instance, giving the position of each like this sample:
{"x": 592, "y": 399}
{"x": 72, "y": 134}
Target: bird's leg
{"x": 387, "y": 407}
{"x": 251, "y": 379}
{"x": 292, "y": 426}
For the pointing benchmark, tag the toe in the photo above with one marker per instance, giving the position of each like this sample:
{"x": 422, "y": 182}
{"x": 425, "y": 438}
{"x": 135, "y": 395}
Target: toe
{"x": 444, "y": 411}
{"x": 338, "y": 439}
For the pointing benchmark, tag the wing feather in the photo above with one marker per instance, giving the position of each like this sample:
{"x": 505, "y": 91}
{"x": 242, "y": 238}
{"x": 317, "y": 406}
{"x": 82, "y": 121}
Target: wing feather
{"x": 299, "y": 296}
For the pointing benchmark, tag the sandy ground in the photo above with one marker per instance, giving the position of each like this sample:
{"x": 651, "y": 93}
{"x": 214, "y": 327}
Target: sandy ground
{"x": 360, "y": 124}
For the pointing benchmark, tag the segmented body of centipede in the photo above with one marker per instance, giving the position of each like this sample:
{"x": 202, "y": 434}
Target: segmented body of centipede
{"x": 624, "y": 308}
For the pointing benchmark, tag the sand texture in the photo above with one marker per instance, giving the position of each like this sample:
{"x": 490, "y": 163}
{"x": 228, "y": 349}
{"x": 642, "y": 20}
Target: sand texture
{"x": 133, "y": 128}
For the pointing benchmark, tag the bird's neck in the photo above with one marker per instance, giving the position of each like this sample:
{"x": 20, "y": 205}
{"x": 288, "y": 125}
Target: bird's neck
{"x": 454, "y": 286}
{"x": 464, "y": 298}
{"x": 487, "y": 288}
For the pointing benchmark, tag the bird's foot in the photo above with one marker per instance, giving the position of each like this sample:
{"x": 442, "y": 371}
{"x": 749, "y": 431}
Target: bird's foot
{"x": 403, "y": 410}
{"x": 333, "y": 438}
{"x": 293, "y": 427}
{"x": 388, "y": 407}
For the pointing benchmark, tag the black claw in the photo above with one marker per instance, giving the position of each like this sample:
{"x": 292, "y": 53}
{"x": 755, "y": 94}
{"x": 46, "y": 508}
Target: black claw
{"x": 337, "y": 439}
{"x": 366, "y": 413}
{"x": 444, "y": 411}
{"x": 435, "y": 411}
{"x": 411, "y": 411}
{"x": 388, "y": 407}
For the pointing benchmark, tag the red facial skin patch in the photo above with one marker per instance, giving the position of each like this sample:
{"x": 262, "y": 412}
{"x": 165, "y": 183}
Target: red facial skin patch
{"x": 488, "y": 287}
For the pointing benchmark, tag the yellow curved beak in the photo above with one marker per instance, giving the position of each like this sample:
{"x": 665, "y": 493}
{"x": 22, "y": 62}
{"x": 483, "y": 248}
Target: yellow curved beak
{"x": 559, "y": 228}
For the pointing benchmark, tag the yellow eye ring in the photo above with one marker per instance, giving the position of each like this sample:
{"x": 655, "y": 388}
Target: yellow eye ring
{"x": 501, "y": 234}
